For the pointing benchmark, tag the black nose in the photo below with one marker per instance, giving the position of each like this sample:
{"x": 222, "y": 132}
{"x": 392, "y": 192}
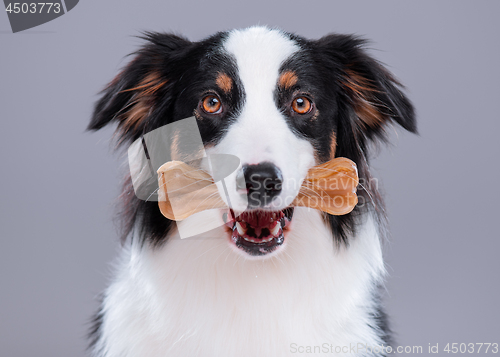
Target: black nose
{"x": 262, "y": 183}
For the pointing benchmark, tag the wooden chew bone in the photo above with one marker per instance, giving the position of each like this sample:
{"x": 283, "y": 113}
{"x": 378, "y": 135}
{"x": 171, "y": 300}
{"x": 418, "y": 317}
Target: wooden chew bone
{"x": 185, "y": 190}
{"x": 330, "y": 187}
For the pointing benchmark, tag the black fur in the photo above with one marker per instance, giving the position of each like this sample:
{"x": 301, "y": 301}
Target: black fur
{"x": 95, "y": 331}
{"x": 322, "y": 67}
{"x": 189, "y": 70}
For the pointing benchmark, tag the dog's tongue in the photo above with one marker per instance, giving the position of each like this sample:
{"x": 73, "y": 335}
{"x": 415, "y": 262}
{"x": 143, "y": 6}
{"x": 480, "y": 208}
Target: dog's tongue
{"x": 260, "y": 219}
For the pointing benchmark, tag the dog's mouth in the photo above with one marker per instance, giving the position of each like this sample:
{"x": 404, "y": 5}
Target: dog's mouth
{"x": 259, "y": 232}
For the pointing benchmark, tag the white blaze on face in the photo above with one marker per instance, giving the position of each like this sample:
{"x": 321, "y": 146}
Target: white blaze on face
{"x": 260, "y": 132}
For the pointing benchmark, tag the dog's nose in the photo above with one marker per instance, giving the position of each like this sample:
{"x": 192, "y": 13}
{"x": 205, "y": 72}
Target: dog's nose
{"x": 262, "y": 183}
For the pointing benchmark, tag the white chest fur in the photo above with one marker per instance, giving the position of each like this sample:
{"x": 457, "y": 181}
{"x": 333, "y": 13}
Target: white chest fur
{"x": 196, "y": 297}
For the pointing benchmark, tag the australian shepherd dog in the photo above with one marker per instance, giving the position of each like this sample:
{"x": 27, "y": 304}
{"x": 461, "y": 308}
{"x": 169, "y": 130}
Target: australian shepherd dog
{"x": 281, "y": 280}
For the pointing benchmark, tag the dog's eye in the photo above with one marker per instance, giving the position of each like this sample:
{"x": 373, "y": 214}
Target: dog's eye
{"x": 211, "y": 104}
{"x": 301, "y": 105}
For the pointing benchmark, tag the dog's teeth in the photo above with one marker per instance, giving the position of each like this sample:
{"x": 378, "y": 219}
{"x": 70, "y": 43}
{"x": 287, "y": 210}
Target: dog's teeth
{"x": 248, "y": 239}
{"x": 240, "y": 229}
{"x": 275, "y": 231}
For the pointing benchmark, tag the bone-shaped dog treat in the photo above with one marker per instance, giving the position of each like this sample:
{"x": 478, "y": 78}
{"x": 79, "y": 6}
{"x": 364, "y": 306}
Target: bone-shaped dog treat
{"x": 330, "y": 187}
{"x": 185, "y": 190}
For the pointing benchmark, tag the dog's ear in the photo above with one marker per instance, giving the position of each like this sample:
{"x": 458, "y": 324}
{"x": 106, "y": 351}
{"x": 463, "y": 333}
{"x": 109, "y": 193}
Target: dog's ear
{"x": 129, "y": 98}
{"x": 373, "y": 95}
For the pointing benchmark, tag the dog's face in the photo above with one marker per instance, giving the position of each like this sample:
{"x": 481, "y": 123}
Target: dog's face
{"x": 267, "y": 121}
{"x": 279, "y": 103}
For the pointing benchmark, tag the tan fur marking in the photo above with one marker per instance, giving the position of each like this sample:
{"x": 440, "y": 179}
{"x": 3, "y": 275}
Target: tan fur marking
{"x": 315, "y": 116}
{"x": 142, "y": 101}
{"x": 363, "y": 97}
{"x": 287, "y": 80}
{"x": 333, "y": 145}
{"x": 224, "y": 82}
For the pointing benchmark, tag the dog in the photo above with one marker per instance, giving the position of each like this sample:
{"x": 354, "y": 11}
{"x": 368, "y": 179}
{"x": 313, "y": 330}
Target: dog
{"x": 281, "y": 104}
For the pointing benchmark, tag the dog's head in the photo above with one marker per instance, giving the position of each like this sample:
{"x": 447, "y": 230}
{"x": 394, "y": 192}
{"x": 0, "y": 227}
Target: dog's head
{"x": 278, "y": 102}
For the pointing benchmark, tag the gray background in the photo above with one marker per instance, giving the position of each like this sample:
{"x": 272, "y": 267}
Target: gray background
{"x": 58, "y": 184}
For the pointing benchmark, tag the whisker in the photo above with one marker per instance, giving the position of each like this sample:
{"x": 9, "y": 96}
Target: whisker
{"x": 220, "y": 255}
{"x": 208, "y": 250}
{"x": 293, "y": 260}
